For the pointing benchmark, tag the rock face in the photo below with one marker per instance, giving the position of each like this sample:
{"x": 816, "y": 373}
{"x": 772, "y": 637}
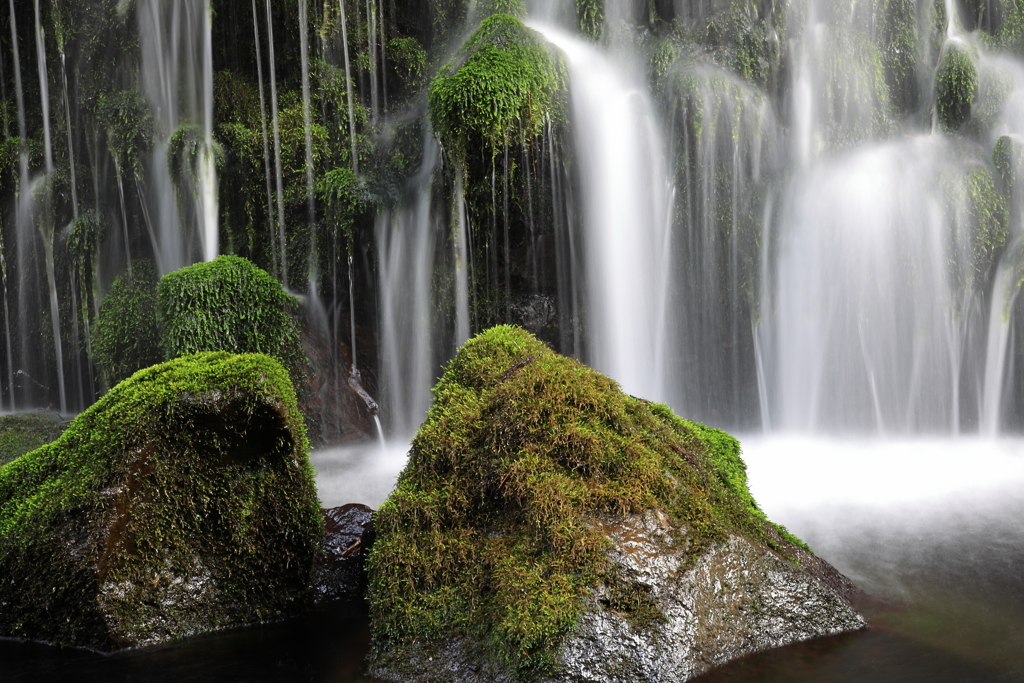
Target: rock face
{"x": 348, "y": 536}
{"x": 550, "y": 528}
{"x": 737, "y": 599}
{"x": 183, "y": 501}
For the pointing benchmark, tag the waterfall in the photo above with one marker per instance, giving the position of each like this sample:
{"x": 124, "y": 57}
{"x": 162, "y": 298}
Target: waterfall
{"x": 176, "y": 77}
{"x": 277, "y": 147}
{"x": 348, "y": 88}
{"x": 312, "y": 273}
{"x": 266, "y": 144}
{"x": 627, "y": 208}
{"x": 406, "y": 240}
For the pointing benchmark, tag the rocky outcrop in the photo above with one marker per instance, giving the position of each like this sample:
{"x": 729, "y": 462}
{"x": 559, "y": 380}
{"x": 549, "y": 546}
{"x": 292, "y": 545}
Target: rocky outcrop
{"x": 181, "y": 502}
{"x": 549, "y": 527}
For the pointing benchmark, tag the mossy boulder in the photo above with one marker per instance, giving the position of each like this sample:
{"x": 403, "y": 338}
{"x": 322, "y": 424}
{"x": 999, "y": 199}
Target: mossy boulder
{"x": 545, "y": 518}
{"x": 20, "y": 434}
{"x": 182, "y": 501}
{"x": 229, "y": 304}
{"x": 956, "y": 83}
{"x": 502, "y": 86}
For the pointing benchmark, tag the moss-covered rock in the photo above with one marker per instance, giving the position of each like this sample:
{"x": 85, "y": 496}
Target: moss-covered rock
{"x": 500, "y": 536}
{"x": 503, "y": 85}
{"x": 182, "y": 501}
{"x": 228, "y": 304}
{"x": 126, "y": 338}
{"x": 956, "y": 81}
{"x": 26, "y": 432}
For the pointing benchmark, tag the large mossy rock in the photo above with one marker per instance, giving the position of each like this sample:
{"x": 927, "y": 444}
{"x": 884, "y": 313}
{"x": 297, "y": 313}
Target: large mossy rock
{"x": 550, "y": 527}
{"x": 183, "y": 501}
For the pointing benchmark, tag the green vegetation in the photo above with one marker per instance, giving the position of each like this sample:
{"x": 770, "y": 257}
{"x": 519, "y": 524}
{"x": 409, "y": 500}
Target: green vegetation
{"x": 228, "y": 304}
{"x": 1003, "y": 156}
{"x": 513, "y": 8}
{"x": 182, "y": 501}
{"x": 590, "y": 18}
{"x": 125, "y": 116}
{"x": 989, "y": 217}
{"x": 26, "y": 432}
{"x": 503, "y": 85}
{"x": 491, "y": 533}
{"x": 955, "y": 84}
{"x": 126, "y": 335}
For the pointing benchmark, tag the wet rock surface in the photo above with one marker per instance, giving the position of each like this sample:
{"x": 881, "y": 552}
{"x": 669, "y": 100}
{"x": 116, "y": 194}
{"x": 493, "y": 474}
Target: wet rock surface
{"x": 182, "y": 502}
{"x": 348, "y": 537}
{"x": 680, "y": 621}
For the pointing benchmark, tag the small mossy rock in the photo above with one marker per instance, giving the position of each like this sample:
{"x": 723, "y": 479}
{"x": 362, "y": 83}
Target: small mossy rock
{"x": 503, "y": 85}
{"x": 538, "y": 497}
{"x": 956, "y": 83}
{"x": 181, "y": 502}
{"x": 20, "y": 434}
{"x": 228, "y": 304}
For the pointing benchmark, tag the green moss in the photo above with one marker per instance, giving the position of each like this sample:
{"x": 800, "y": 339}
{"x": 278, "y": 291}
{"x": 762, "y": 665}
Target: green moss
{"x": 20, "y": 434}
{"x": 408, "y": 60}
{"x": 181, "y": 501}
{"x": 125, "y": 117}
{"x": 487, "y": 8}
{"x": 503, "y": 85}
{"x": 1005, "y": 163}
{"x": 490, "y": 534}
{"x": 85, "y": 235}
{"x": 989, "y": 217}
{"x": 956, "y": 81}
{"x": 126, "y": 338}
{"x": 228, "y": 304}
{"x": 590, "y": 18}
{"x": 746, "y": 41}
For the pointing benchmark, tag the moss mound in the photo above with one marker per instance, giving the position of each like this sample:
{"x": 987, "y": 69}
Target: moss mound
{"x": 126, "y": 336}
{"x": 228, "y": 304}
{"x": 503, "y": 85}
{"x": 182, "y": 501}
{"x": 491, "y": 536}
{"x": 956, "y": 82}
{"x": 20, "y": 434}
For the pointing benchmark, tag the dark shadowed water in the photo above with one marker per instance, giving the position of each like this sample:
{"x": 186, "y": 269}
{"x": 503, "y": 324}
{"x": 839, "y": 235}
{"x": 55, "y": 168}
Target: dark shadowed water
{"x": 934, "y": 528}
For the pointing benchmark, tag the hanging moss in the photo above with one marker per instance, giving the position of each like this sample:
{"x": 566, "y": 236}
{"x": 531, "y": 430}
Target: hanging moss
{"x": 1003, "y": 158}
{"x": 487, "y": 8}
{"x": 747, "y": 41}
{"x": 590, "y": 18}
{"x": 488, "y": 535}
{"x": 20, "y": 434}
{"x": 182, "y": 501}
{"x": 230, "y": 305}
{"x": 126, "y": 338}
{"x": 503, "y": 85}
{"x": 897, "y": 32}
{"x": 989, "y": 219}
{"x": 125, "y": 117}
{"x": 955, "y": 84}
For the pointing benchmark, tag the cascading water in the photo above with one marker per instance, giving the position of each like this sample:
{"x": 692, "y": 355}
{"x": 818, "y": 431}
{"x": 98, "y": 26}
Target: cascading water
{"x": 627, "y": 200}
{"x": 176, "y": 74}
